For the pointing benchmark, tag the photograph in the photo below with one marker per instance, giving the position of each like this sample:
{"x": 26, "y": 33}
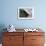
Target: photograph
{"x": 25, "y": 13}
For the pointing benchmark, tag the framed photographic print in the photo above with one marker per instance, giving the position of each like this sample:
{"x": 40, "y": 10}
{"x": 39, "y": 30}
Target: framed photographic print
{"x": 25, "y": 13}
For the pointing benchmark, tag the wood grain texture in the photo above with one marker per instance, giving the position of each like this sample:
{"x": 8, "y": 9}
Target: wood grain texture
{"x": 13, "y": 39}
{"x": 34, "y": 39}
{"x": 23, "y": 39}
